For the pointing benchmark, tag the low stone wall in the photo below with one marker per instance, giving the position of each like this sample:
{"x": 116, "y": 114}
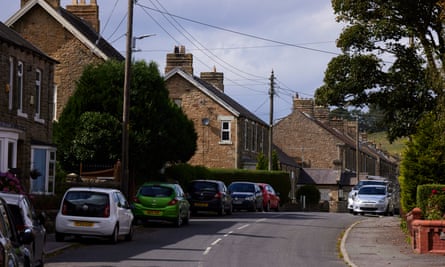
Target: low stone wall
{"x": 427, "y": 236}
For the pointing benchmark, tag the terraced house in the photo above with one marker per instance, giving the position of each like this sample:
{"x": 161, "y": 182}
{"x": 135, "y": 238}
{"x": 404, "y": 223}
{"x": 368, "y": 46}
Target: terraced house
{"x": 229, "y": 135}
{"x": 26, "y": 101}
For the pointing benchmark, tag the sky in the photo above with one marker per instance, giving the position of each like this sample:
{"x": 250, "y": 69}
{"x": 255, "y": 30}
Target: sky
{"x": 246, "y": 40}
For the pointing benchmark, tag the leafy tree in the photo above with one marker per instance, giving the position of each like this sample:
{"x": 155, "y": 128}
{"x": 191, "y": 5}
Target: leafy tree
{"x": 262, "y": 163}
{"x": 159, "y": 131}
{"x": 424, "y": 160}
{"x": 380, "y": 67}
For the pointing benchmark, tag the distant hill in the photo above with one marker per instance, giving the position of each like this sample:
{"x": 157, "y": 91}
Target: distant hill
{"x": 396, "y": 148}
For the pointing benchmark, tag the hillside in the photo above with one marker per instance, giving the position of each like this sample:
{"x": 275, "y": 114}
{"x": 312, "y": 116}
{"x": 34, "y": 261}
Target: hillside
{"x": 396, "y": 148}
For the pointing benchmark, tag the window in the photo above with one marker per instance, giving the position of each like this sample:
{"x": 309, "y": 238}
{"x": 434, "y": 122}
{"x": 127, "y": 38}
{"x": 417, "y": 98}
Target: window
{"x": 38, "y": 93}
{"x": 20, "y": 87}
{"x": 8, "y": 150}
{"x": 225, "y": 131}
{"x": 254, "y": 136}
{"x": 246, "y": 135}
{"x": 11, "y": 83}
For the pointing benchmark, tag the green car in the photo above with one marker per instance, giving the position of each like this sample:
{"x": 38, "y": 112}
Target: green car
{"x": 161, "y": 201}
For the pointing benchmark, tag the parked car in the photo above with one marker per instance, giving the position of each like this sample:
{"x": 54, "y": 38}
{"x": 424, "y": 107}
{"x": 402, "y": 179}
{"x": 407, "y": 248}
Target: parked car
{"x": 352, "y": 194}
{"x": 246, "y": 196}
{"x": 93, "y": 211}
{"x": 374, "y": 199}
{"x": 161, "y": 201}
{"x": 271, "y": 198}
{"x": 209, "y": 195}
{"x": 25, "y": 218}
{"x": 12, "y": 243}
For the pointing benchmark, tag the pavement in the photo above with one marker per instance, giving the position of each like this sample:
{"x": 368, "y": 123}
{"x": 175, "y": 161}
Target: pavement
{"x": 373, "y": 241}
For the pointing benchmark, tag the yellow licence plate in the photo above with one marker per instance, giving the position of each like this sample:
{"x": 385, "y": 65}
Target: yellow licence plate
{"x": 201, "y": 204}
{"x": 84, "y": 224}
{"x": 153, "y": 212}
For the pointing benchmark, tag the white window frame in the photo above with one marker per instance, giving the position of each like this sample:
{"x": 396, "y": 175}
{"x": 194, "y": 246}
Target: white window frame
{"x": 11, "y": 83}
{"x": 20, "y": 89}
{"x": 8, "y": 140}
{"x": 54, "y": 115}
{"x": 38, "y": 97}
{"x": 228, "y": 120}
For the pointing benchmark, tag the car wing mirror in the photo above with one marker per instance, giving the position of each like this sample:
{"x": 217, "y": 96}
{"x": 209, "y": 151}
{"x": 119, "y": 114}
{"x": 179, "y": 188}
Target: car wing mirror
{"x": 26, "y": 236}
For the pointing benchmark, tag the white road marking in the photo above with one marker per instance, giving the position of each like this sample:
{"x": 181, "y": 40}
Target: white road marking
{"x": 216, "y": 241}
{"x": 207, "y": 251}
{"x": 244, "y": 226}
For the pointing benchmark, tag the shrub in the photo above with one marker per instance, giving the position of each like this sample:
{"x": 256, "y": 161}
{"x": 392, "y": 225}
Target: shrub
{"x": 431, "y": 200}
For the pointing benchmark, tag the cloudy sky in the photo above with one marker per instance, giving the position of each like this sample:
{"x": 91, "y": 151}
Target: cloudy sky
{"x": 244, "y": 39}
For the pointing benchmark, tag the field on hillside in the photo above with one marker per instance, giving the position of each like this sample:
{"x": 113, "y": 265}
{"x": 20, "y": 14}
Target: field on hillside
{"x": 396, "y": 148}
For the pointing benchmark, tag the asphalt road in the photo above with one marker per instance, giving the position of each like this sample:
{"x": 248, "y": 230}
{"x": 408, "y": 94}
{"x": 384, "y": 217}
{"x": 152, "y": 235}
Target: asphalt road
{"x": 242, "y": 239}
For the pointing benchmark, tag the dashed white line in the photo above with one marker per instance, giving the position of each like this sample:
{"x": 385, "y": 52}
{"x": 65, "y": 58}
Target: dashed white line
{"x": 216, "y": 241}
{"x": 207, "y": 251}
{"x": 226, "y": 235}
{"x": 244, "y": 226}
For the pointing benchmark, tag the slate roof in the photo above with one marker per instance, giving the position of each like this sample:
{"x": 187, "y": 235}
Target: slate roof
{"x": 10, "y": 36}
{"x": 285, "y": 158}
{"x": 316, "y": 176}
{"x": 91, "y": 34}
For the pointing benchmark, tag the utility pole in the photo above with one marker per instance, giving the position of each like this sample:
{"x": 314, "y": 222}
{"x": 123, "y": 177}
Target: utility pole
{"x": 125, "y": 179}
{"x": 271, "y": 94}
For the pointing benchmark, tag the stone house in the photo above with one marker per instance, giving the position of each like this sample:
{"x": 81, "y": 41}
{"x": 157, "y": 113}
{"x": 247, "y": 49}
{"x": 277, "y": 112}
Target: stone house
{"x": 71, "y": 36}
{"x": 229, "y": 135}
{"x": 27, "y": 84}
{"x": 327, "y": 148}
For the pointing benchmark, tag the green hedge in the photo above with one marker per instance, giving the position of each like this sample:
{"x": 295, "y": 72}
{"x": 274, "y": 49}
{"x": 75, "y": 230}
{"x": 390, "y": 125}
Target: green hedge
{"x": 424, "y": 192}
{"x": 183, "y": 173}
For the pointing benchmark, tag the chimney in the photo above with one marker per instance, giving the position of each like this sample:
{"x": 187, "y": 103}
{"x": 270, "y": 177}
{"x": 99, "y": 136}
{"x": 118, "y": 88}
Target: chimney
{"x": 304, "y": 105}
{"x": 179, "y": 59}
{"x": 214, "y": 78}
{"x": 54, "y": 3}
{"x": 87, "y": 12}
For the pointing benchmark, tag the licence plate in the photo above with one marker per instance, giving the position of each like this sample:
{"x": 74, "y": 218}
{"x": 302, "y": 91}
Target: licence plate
{"x": 201, "y": 204}
{"x": 237, "y": 201}
{"x": 84, "y": 224}
{"x": 153, "y": 212}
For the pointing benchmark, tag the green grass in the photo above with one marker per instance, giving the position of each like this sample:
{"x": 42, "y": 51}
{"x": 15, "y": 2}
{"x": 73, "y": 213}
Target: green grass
{"x": 396, "y": 148}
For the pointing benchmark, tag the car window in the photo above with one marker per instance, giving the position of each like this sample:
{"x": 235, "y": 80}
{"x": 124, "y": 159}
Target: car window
{"x": 86, "y": 203}
{"x": 122, "y": 200}
{"x": 5, "y": 226}
{"x": 240, "y": 187}
{"x": 203, "y": 186}
{"x": 17, "y": 216}
{"x": 372, "y": 191}
{"x": 156, "y": 191}
{"x": 179, "y": 191}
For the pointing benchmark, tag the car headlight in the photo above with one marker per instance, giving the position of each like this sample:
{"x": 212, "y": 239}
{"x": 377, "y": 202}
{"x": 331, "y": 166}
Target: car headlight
{"x": 381, "y": 201}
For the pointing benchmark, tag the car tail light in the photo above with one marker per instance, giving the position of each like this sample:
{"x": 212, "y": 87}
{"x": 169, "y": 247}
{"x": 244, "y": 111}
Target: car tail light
{"x": 136, "y": 199}
{"x": 218, "y": 195}
{"x": 107, "y": 211}
{"x": 172, "y": 202}
{"x": 64, "y": 209}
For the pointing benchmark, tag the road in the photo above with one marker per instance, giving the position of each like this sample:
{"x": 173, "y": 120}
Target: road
{"x": 242, "y": 239}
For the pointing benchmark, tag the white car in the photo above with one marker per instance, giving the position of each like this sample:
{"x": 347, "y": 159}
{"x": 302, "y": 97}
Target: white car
{"x": 373, "y": 199}
{"x": 26, "y": 219}
{"x": 92, "y": 211}
{"x": 353, "y": 192}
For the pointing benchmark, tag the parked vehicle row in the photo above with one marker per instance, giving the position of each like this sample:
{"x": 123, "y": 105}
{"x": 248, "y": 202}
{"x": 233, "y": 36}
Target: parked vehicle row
{"x": 105, "y": 213}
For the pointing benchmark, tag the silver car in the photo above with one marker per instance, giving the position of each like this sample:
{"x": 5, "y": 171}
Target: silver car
{"x": 353, "y": 193}
{"x": 375, "y": 199}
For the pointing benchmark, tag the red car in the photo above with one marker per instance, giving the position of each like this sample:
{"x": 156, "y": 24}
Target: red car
{"x": 271, "y": 199}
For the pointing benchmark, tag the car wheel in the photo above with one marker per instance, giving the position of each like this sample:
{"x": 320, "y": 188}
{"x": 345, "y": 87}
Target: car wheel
{"x": 129, "y": 236}
{"x": 229, "y": 210}
{"x": 221, "y": 210}
{"x": 178, "y": 221}
{"x": 187, "y": 218}
{"x": 278, "y": 207}
{"x": 115, "y": 235}
{"x": 354, "y": 213}
{"x": 267, "y": 207}
{"x": 60, "y": 237}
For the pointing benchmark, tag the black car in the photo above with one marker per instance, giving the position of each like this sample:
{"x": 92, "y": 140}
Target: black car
{"x": 209, "y": 195}
{"x": 246, "y": 196}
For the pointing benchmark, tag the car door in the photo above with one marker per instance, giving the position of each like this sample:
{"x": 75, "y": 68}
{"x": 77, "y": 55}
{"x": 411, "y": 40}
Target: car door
{"x": 124, "y": 213}
{"x": 38, "y": 229}
{"x": 259, "y": 197}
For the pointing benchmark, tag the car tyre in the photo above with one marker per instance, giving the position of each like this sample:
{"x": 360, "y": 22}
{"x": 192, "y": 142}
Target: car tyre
{"x": 114, "y": 238}
{"x": 267, "y": 207}
{"x": 129, "y": 236}
{"x": 221, "y": 210}
{"x": 186, "y": 220}
{"x": 178, "y": 221}
{"x": 230, "y": 210}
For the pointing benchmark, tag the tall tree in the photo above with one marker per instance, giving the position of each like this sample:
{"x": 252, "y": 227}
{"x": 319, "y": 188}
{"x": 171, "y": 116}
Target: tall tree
{"x": 393, "y": 57}
{"x": 159, "y": 130}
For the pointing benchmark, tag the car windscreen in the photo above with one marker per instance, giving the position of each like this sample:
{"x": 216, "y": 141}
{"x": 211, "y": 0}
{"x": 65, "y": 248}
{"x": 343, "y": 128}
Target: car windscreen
{"x": 86, "y": 203}
{"x": 155, "y": 191}
{"x": 372, "y": 191}
{"x": 203, "y": 186}
{"x": 240, "y": 187}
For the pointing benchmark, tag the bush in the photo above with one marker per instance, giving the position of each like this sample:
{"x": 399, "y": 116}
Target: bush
{"x": 431, "y": 200}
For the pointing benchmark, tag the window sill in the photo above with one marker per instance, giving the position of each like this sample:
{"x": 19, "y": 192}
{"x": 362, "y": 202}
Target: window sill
{"x": 225, "y": 142}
